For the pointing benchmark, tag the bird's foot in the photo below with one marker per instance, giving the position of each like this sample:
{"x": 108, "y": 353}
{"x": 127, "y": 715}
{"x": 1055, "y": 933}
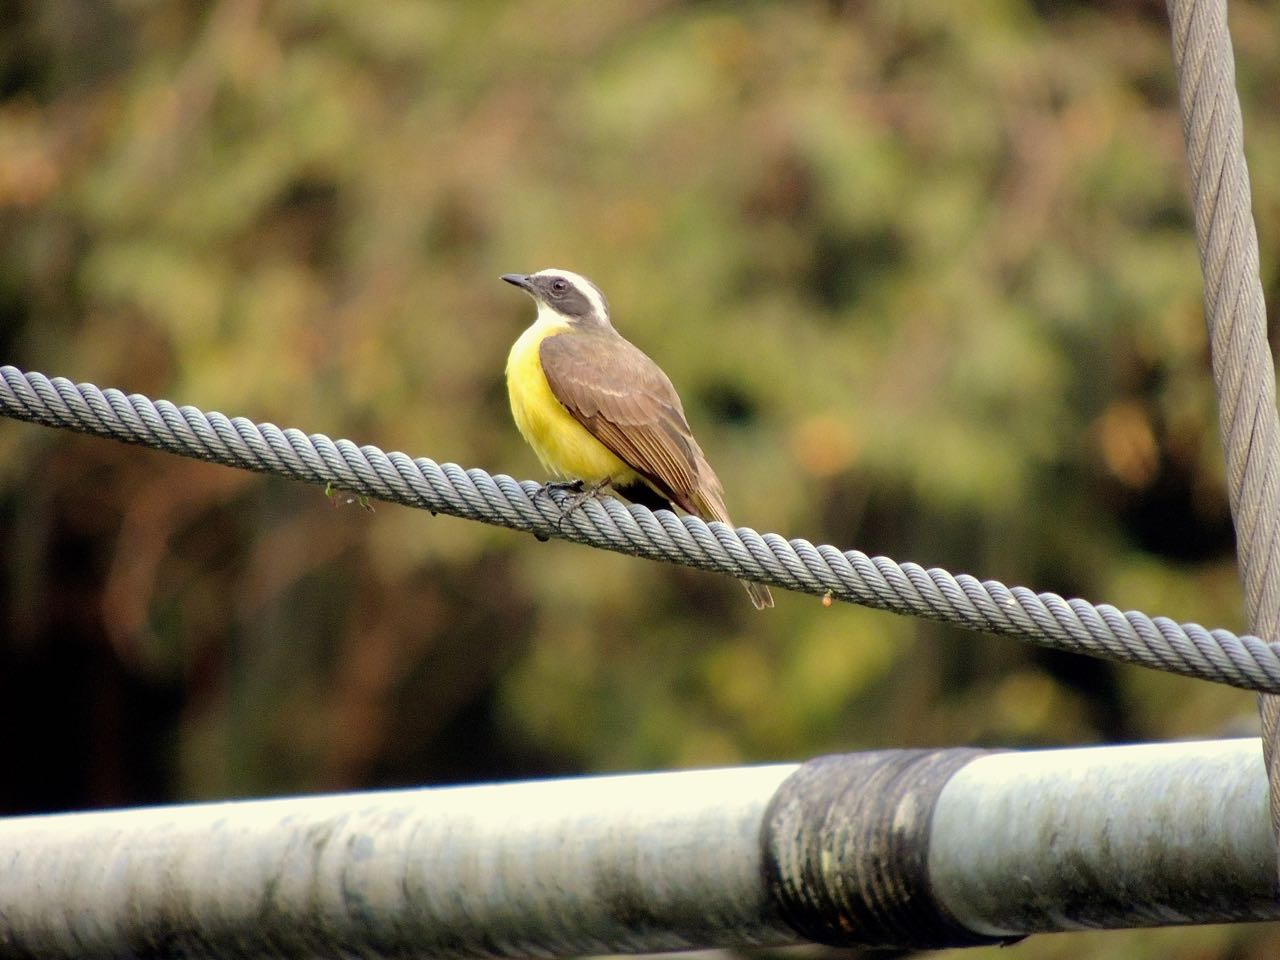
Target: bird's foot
{"x": 580, "y": 493}
{"x": 546, "y": 488}
{"x": 587, "y": 492}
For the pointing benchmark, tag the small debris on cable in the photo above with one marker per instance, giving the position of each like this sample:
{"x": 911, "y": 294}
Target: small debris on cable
{"x": 336, "y": 498}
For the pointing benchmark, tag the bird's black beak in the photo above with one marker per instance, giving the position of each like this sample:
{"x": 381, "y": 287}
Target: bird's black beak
{"x": 519, "y": 280}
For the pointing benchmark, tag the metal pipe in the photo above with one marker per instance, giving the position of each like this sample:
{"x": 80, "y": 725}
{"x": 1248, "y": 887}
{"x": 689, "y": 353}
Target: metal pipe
{"x": 904, "y": 847}
{"x": 554, "y": 868}
{"x": 1107, "y": 837}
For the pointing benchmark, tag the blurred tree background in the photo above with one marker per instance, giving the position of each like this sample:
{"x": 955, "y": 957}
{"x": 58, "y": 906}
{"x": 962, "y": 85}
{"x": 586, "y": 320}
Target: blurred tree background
{"x": 924, "y": 273}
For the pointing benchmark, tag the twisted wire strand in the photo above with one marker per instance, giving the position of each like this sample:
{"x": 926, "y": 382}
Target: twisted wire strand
{"x": 1235, "y": 312}
{"x": 906, "y": 588}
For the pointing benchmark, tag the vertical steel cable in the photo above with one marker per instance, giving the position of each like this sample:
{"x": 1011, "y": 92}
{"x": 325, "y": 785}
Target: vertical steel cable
{"x": 1243, "y": 370}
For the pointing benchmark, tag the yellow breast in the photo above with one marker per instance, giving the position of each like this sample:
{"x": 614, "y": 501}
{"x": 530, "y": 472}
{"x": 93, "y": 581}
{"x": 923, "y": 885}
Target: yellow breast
{"x": 564, "y": 446}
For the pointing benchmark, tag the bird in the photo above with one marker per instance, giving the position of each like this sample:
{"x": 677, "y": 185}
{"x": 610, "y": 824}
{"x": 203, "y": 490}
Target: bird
{"x": 599, "y": 413}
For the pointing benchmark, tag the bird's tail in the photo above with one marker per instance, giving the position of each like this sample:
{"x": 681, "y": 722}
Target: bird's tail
{"x": 711, "y": 507}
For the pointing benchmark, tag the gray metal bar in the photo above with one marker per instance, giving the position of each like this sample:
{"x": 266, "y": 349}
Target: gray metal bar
{"x": 554, "y": 868}
{"x": 1106, "y": 837}
{"x": 1019, "y": 842}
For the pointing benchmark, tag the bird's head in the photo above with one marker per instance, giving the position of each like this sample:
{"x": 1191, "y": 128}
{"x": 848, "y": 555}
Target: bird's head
{"x": 564, "y": 295}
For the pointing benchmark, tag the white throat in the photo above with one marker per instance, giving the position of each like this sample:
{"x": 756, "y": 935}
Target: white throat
{"x": 549, "y": 317}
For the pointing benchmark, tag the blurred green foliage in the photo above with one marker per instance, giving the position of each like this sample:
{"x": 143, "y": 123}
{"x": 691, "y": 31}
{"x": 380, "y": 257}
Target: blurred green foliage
{"x": 923, "y": 272}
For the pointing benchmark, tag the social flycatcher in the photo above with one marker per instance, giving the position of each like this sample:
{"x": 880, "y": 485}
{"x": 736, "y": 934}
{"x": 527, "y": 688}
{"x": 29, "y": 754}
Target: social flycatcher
{"x": 596, "y": 409}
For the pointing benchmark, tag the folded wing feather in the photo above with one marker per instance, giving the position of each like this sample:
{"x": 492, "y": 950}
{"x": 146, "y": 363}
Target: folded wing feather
{"x": 627, "y": 403}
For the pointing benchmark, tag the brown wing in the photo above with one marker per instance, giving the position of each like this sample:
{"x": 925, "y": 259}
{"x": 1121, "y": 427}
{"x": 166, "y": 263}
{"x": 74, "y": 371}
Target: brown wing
{"x": 627, "y": 403}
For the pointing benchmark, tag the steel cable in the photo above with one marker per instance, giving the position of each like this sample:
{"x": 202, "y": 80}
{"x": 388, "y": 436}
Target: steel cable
{"x": 1235, "y": 312}
{"x": 906, "y": 588}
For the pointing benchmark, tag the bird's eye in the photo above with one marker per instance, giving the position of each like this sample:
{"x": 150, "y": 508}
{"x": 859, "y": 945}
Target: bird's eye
{"x": 559, "y": 286}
